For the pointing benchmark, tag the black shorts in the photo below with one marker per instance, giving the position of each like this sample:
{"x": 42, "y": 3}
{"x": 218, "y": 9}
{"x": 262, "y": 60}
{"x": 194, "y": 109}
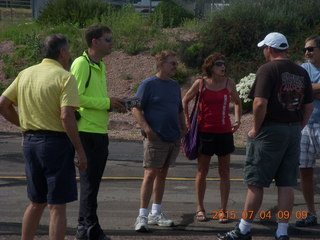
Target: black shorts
{"x": 50, "y": 170}
{"x": 220, "y": 144}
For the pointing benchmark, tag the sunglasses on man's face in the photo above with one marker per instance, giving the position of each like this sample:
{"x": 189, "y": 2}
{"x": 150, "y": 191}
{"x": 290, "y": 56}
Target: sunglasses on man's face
{"x": 309, "y": 49}
{"x": 220, "y": 63}
{"x": 108, "y": 40}
{"x": 173, "y": 63}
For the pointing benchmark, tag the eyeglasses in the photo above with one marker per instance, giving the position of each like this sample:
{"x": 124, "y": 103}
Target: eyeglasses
{"x": 108, "y": 40}
{"x": 309, "y": 49}
{"x": 173, "y": 63}
{"x": 219, "y": 64}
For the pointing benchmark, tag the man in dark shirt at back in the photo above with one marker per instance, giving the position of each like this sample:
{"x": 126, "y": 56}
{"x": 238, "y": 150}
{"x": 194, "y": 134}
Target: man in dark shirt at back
{"x": 282, "y": 105}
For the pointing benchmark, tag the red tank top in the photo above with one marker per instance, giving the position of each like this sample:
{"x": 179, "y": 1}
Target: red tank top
{"x": 214, "y": 111}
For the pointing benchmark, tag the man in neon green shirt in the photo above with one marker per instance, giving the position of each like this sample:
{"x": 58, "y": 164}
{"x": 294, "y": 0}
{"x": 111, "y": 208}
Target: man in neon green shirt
{"x": 90, "y": 72}
{"x": 46, "y": 95}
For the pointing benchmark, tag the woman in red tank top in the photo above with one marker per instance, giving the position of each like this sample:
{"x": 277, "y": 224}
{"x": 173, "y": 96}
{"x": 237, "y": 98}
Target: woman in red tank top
{"x": 215, "y": 128}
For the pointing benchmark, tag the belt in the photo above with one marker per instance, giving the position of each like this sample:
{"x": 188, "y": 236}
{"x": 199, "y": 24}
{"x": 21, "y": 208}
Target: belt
{"x": 44, "y": 133}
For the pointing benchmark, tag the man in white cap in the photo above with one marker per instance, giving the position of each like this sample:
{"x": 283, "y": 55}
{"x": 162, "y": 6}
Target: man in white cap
{"x": 282, "y": 105}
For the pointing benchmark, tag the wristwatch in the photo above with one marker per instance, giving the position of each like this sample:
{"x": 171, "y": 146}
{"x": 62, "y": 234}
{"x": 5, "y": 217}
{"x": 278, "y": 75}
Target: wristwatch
{"x": 237, "y": 122}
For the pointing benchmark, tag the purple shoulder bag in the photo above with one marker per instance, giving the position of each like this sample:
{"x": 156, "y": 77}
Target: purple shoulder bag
{"x": 190, "y": 140}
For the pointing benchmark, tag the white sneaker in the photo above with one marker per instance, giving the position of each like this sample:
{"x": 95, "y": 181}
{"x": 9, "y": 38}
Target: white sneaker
{"x": 160, "y": 220}
{"x": 141, "y": 224}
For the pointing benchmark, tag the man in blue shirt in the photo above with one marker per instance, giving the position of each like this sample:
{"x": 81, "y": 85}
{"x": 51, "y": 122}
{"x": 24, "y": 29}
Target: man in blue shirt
{"x": 310, "y": 139}
{"x": 161, "y": 119}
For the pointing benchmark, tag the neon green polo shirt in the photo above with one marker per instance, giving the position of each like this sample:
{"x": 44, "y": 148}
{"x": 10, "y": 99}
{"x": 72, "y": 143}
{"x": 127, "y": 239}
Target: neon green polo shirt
{"x": 94, "y": 100}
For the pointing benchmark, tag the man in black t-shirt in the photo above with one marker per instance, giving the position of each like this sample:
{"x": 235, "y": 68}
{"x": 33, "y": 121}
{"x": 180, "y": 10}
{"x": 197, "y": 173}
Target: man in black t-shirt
{"x": 282, "y": 105}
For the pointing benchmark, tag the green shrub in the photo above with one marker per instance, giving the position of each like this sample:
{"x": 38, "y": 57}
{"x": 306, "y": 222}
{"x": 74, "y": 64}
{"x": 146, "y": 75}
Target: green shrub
{"x": 17, "y": 32}
{"x": 8, "y": 67}
{"x": 31, "y": 48}
{"x": 77, "y": 12}
{"x": 193, "y": 25}
{"x": 2, "y": 88}
{"x": 135, "y": 87}
{"x": 170, "y": 14}
{"x": 130, "y": 30}
{"x": 182, "y": 74}
{"x": 163, "y": 43}
{"x": 75, "y": 37}
{"x": 27, "y": 53}
{"x": 192, "y": 53}
{"x": 235, "y": 30}
{"x": 12, "y": 65}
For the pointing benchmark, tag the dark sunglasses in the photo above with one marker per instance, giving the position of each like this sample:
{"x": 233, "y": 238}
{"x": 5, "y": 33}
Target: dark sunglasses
{"x": 173, "y": 63}
{"x": 219, "y": 64}
{"x": 108, "y": 40}
{"x": 309, "y": 49}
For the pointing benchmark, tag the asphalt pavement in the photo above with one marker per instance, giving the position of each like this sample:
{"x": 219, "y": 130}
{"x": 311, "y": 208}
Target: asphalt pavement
{"x": 119, "y": 198}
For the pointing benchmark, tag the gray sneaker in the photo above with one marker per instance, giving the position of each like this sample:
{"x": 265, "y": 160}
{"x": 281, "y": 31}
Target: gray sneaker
{"x": 310, "y": 220}
{"x": 160, "y": 220}
{"x": 141, "y": 224}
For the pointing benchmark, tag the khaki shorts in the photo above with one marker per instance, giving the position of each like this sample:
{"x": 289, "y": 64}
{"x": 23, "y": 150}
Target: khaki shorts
{"x": 158, "y": 154}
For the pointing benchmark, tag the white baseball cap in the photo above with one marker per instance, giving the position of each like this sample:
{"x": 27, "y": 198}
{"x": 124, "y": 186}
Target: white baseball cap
{"x": 274, "y": 40}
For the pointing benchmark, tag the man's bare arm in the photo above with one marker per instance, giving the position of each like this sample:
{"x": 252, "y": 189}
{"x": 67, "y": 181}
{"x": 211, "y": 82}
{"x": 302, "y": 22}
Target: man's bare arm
{"x": 137, "y": 113}
{"x": 307, "y": 111}
{"x": 70, "y": 125}
{"x": 183, "y": 127}
{"x": 259, "y": 113}
{"x": 8, "y": 112}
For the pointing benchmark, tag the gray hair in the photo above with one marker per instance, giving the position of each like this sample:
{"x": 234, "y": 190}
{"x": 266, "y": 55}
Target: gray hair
{"x": 53, "y": 44}
{"x": 316, "y": 39}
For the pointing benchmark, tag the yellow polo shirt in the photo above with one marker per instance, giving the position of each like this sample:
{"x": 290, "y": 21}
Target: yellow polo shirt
{"x": 40, "y": 92}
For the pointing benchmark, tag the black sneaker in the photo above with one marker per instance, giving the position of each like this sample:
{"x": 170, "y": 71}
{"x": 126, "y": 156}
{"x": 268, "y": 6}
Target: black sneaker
{"x": 282, "y": 237}
{"x": 93, "y": 232}
{"x": 234, "y": 235}
{"x": 102, "y": 236}
{"x": 310, "y": 220}
{"x": 81, "y": 233}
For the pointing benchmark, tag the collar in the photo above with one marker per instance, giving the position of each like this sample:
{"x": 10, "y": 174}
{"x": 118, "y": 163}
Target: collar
{"x": 52, "y": 61}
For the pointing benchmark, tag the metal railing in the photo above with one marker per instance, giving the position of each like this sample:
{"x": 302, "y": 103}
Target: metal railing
{"x": 15, "y": 3}
{"x": 15, "y": 9}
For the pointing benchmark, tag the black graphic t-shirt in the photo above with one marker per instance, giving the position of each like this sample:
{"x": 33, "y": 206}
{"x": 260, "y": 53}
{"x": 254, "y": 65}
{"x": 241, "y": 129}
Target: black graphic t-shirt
{"x": 287, "y": 87}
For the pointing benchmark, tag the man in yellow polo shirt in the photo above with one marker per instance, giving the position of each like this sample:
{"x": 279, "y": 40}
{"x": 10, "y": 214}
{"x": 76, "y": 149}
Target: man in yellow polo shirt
{"x": 46, "y": 95}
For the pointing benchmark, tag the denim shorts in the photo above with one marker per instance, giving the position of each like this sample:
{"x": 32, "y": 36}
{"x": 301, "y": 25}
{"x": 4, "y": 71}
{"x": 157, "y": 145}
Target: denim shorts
{"x": 273, "y": 154}
{"x": 50, "y": 170}
{"x": 158, "y": 153}
{"x": 220, "y": 144}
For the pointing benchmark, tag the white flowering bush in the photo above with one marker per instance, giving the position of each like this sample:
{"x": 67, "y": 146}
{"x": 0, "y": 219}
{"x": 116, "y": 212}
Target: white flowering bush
{"x": 244, "y": 87}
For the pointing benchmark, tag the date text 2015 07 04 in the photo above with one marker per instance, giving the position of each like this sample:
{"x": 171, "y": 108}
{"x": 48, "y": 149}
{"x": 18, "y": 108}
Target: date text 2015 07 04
{"x": 260, "y": 215}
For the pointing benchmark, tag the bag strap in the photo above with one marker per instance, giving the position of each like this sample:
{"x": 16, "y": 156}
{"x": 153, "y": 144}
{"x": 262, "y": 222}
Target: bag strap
{"x": 86, "y": 86}
{"x": 89, "y": 77}
{"x": 199, "y": 95}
